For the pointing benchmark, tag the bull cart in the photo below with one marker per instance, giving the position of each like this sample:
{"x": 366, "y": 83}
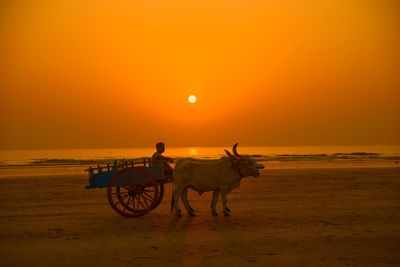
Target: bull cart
{"x": 133, "y": 188}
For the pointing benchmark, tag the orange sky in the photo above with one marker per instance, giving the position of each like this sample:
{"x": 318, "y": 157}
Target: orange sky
{"x": 77, "y": 74}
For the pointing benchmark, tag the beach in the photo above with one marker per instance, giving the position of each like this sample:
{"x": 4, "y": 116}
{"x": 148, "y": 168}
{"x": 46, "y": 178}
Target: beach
{"x": 285, "y": 217}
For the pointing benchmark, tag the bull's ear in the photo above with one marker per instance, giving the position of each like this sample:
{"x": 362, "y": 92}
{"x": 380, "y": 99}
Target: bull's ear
{"x": 260, "y": 166}
{"x": 231, "y": 157}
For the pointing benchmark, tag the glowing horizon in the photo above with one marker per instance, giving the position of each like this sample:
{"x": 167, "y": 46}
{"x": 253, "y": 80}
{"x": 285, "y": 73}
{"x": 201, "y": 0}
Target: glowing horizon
{"x": 85, "y": 74}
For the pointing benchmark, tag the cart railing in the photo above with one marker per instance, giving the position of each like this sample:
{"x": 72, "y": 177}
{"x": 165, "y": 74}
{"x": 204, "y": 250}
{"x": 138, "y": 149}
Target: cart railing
{"x": 100, "y": 176}
{"x": 117, "y": 165}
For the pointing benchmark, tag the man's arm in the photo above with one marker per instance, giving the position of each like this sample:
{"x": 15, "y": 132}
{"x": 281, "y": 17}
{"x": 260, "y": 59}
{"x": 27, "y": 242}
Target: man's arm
{"x": 168, "y": 159}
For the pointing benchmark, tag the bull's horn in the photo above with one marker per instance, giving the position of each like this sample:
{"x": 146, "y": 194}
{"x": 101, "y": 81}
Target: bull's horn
{"x": 234, "y": 150}
{"x": 231, "y": 157}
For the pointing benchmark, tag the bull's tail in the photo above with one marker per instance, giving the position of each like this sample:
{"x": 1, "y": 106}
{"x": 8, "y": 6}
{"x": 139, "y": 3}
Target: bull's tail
{"x": 173, "y": 197}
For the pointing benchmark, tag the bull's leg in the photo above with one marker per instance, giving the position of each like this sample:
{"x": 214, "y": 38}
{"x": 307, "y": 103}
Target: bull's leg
{"x": 177, "y": 196}
{"x": 214, "y": 201}
{"x": 224, "y": 201}
{"x": 186, "y": 202}
{"x": 185, "y": 195}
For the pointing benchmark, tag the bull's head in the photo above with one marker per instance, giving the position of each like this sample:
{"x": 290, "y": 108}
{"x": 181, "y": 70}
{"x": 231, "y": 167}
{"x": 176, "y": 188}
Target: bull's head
{"x": 247, "y": 165}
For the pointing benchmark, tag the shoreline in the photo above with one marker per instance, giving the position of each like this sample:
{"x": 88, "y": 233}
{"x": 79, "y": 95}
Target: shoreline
{"x": 35, "y": 170}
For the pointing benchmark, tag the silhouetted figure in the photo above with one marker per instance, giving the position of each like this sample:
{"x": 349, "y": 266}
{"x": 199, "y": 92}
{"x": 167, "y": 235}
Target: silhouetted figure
{"x": 158, "y": 160}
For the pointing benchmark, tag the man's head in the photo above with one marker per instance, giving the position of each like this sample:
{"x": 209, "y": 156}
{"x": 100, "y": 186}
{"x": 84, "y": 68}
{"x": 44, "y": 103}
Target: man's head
{"x": 160, "y": 147}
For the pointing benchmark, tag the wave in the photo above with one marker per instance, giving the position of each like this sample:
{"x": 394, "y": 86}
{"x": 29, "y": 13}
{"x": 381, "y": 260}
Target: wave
{"x": 335, "y": 156}
{"x": 365, "y": 156}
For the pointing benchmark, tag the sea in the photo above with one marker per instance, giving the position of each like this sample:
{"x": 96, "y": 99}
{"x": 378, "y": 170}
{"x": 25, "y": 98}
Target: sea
{"x": 88, "y": 157}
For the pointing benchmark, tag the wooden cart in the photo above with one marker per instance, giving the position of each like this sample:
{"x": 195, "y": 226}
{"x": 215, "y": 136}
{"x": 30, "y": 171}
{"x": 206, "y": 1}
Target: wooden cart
{"x": 133, "y": 189}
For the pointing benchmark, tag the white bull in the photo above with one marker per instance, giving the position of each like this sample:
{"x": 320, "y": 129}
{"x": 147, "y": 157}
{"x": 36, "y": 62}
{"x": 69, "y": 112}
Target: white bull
{"x": 219, "y": 176}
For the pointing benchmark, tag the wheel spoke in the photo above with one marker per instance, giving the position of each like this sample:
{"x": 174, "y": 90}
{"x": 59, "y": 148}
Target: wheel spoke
{"x": 148, "y": 196}
{"x": 138, "y": 200}
{"x": 119, "y": 193}
{"x": 141, "y": 204}
{"x": 129, "y": 201}
{"x": 133, "y": 205}
{"x": 145, "y": 202}
{"x": 122, "y": 197}
{"x": 150, "y": 189}
{"x": 118, "y": 202}
{"x": 125, "y": 196}
{"x": 147, "y": 190}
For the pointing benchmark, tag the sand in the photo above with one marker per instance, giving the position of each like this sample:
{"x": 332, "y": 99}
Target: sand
{"x": 286, "y": 217}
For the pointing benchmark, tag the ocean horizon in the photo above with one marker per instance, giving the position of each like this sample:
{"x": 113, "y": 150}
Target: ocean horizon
{"x": 52, "y": 157}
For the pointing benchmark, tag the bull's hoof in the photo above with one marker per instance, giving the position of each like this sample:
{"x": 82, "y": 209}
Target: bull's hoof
{"x": 178, "y": 215}
{"x": 214, "y": 214}
{"x": 227, "y": 209}
{"x": 226, "y": 214}
{"x": 192, "y": 210}
{"x": 191, "y": 214}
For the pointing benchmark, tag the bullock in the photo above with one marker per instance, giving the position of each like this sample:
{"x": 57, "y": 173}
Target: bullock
{"x": 220, "y": 176}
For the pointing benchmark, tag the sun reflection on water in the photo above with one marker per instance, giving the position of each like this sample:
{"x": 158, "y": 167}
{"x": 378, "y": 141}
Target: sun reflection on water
{"x": 193, "y": 152}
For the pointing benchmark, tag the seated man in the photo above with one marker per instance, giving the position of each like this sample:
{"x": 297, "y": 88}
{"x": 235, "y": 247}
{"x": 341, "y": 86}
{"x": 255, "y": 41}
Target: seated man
{"x": 158, "y": 160}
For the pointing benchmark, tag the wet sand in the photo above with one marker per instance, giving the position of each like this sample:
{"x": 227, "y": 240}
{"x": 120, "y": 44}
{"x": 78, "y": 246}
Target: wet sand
{"x": 286, "y": 217}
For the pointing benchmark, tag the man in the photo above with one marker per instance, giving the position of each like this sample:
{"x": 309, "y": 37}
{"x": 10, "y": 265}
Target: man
{"x": 158, "y": 160}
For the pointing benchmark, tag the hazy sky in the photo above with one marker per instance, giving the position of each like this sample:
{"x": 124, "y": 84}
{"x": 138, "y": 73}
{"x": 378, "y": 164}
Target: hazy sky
{"x": 77, "y": 74}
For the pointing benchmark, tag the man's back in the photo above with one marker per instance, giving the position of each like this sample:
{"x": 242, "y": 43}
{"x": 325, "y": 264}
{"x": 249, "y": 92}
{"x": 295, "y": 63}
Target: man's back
{"x": 157, "y": 160}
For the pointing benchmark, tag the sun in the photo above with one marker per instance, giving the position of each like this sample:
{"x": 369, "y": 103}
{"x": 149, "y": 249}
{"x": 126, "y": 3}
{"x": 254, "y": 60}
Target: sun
{"x": 192, "y": 99}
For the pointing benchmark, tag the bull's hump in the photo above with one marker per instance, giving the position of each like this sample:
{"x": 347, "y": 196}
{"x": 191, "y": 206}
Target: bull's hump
{"x": 206, "y": 161}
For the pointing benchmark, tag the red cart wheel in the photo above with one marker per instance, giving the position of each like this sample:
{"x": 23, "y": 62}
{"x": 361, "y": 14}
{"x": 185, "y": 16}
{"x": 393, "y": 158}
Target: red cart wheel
{"x": 133, "y": 192}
